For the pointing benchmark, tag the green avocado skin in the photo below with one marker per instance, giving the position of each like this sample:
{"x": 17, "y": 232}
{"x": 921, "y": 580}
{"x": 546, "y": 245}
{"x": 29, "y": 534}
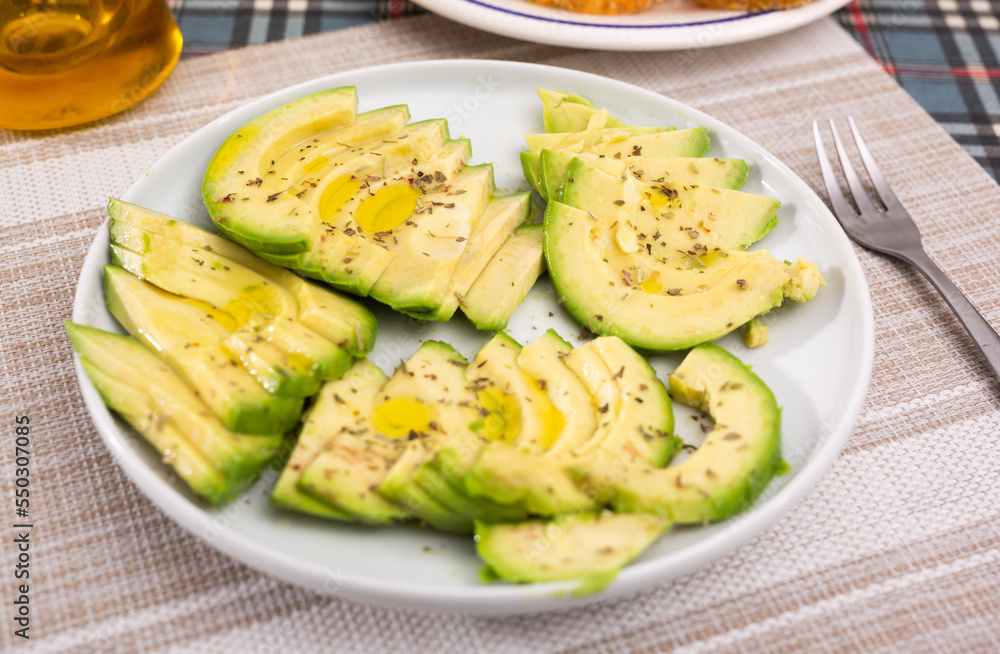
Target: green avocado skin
{"x": 712, "y": 379}
{"x": 215, "y": 463}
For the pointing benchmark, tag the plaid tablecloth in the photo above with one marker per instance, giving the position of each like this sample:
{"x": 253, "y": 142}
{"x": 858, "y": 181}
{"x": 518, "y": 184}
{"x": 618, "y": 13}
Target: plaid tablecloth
{"x": 945, "y": 53}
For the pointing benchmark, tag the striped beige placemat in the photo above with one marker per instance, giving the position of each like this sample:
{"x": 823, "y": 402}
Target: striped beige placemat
{"x": 895, "y": 549}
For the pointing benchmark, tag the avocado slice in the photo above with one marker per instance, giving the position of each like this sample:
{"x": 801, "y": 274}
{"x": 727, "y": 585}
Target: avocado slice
{"x": 429, "y": 250}
{"x": 215, "y": 463}
{"x": 669, "y": 216}
{"x": 351, "y": 457}
{"x": 342, "y": 321}
{"x": 591, "y": 548}
{"x": 631, "y": 424}
{"x": 505, "y": 281}
{"x": 677, "y": 171}
{"x": 569, "y": 112}
{"x": 272, "y": 220}
{"x": 615, "y": 144}
{"x": 738, "y": 458}
{"x": 588, "y": 138}
{"x": 190, "y": 337}
{"x": 670, "y": 303}
{"x": 262, "y": 310}
{"x": 501, "y": 217}
{"x": 429, "y": 401}
{"x": 334, "y": 413}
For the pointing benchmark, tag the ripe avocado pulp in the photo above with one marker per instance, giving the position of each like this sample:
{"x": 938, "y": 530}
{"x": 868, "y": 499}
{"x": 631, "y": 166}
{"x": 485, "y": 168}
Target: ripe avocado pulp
{"x": 663, "y": 282}
{"x": 214, "y": 462}
{"x": 643, "y": 236}
{"x": 369, "y": 203}
{"x": 574, "y": 430}
{"x": 733, "y": 465}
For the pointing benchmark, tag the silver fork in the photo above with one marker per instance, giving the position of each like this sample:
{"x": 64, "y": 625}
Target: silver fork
{"x": 890, "y": 229}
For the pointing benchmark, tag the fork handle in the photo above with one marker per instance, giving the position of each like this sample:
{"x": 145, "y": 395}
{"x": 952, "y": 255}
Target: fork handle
{"x": 980, "y": 330}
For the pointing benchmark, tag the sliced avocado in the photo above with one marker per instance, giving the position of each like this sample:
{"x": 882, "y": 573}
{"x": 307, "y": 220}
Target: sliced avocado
{"x": 529, "y": 419}
{"x": 669, "y": 143}
{"x": 338, "y": 414}
{"x": 541, "y": 486}
{"x": 214, "y": 462}
{"x": 429, "y": 250}
{"x": 531, "y": 168}
{"x": 633, "y": 427}
{"x": 544, "y": 360}
{"x": 642, "y": 424}
{"x": 190, "y": 337}
{"x": 670, "y": 216}
{"x": 505, "y": 281}
{"x": 569, "y": 112}
{"x": 262, "y": 310}
{"x": 336, "y": 182}
{"x": 587, "y": 138}
{"x": 429, "y": 402}
{"x": 665, "y": 308}
{"x": 501, "y": 217}
{"x": 534, "y": 474}
{"x": 271, "y": 220}
{"x": 457, "y": 501}
{"x": 738, "y": 458}
{"x": 676, "y": 171}
{"x": 342, "y": 321}
{"x": 375, "y": 248}
{"x": 401, "y": 487}
{"x": 591, "y": 548}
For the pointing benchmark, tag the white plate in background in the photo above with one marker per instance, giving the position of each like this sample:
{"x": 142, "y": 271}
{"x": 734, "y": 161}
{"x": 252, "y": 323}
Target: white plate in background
{"x": 666, "y": 25}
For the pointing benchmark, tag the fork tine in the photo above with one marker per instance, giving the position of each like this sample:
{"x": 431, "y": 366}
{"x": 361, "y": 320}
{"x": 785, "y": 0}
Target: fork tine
{"x": 878, "y": 179}
{"x": 841, "y": 207}
{"x": 858, "y": 190}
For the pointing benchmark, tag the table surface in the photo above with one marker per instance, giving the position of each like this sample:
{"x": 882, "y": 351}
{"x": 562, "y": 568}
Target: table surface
{"x": 897, "y": 548}
{"x": 945, "y": 53}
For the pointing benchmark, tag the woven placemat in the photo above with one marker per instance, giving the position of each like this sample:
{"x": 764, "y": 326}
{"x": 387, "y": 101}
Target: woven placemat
{"x": 896, "y": 548}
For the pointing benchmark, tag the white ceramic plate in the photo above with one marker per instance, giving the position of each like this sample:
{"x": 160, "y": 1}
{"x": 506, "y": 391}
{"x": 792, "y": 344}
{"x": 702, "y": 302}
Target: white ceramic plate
{"x": 818, "y": 362}
{"x": 667, "y": 25}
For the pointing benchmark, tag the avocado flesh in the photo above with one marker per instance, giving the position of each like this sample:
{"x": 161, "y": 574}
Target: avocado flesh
{"x": 502, "y": 216}
{"x": 505, "y": 281}
{"x": 186, "y": 329}
{"x": 675, "y": 315}
{"x": 271, "y": 220}
{"x": 193, "y": 343}
{"x": 665, "y": 217}
{"x": 677, "y": 171}
{"x": 588, "y": 138}
{"x": 238, "y": 162}
{"x": 670, "y": 143}
{"x": 642, "y": 424}
{"x": 354, "y": 260}
{"x": 435, "y": 376}
{"x": 263, "y": 311}
{"x": 332, "y": 415}
{"x": 339, "y": 254}
{"x": 520, "y": 414}
{"x": 569, "y": 112}
{"x": 429, "y": 250}
{"x": 543, "y": 360}
{"x": 591, "y": 548}
{"x": 342, "y": 321}
{"x": 633, "y": 426}
{"x": 738, "y": 457}
{"x": 339, "y": 458}
{"x": 214, "y": 462}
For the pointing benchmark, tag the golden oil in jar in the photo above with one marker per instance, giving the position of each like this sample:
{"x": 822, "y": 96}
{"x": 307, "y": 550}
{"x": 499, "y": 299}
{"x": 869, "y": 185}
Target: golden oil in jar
{"x": 68, "y": 62}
